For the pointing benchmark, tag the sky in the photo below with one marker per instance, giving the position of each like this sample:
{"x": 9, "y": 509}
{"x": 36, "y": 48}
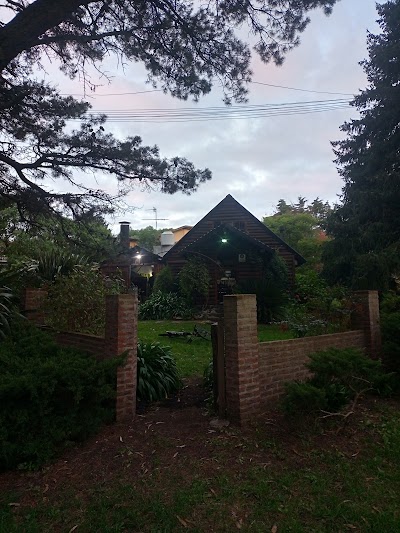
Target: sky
{"x": 256, "y": 160}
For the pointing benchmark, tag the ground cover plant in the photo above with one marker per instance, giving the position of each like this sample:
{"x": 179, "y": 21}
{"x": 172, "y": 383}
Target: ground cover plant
{"x": 338, "y": 376}
{"x": 164, "y": 306}
{"x": 157, "y": 372}
{"x": 49, "y": 396}
{"x": 169, "y": 471}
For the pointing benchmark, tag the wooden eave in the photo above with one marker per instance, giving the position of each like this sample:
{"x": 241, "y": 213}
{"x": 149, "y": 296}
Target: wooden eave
{"x": 187, "y": 239}
{"x": 212, "y": 239}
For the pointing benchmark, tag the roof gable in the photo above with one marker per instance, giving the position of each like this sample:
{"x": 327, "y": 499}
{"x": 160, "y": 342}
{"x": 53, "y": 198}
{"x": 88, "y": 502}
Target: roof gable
{"x": 230, "y": 211}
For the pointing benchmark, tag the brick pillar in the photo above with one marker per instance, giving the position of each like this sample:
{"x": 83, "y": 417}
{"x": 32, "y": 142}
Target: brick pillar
{"x": 366, "y": 317}
{"x": 241, "y": 358}
{"x": 33, "y": 302}
{"x": 121, "y": 336}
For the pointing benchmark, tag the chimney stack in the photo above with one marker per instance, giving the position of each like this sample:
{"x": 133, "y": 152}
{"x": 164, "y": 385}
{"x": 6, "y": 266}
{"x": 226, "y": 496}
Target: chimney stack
{"x": 124, "y": 235}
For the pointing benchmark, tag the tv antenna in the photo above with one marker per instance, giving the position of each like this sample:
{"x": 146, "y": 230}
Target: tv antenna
{"x": 154, "y": 209}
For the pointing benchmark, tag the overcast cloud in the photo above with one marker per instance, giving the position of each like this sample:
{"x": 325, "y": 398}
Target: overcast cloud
{"x": 261, "y": 160}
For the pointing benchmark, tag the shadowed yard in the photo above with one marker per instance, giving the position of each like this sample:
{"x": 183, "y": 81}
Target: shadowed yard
{"x": 170, "y": 471}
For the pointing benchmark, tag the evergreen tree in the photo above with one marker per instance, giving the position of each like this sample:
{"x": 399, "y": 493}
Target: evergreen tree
{"x": 365, "y": 252}
{"x": 184, "y": 47}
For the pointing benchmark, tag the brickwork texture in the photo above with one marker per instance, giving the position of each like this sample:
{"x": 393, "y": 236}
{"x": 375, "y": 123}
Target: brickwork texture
{"x": 255, "y": 372}
{"x": 120, "y": 337}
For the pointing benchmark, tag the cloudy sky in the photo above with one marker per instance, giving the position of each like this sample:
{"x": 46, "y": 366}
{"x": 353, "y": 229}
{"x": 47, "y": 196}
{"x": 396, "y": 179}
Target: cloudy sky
{"x": 257, "y": 160}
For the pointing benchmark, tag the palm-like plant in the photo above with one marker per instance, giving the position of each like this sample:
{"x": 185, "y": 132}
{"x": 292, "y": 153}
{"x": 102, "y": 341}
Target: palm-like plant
{"x": 6, "y": 310}
{"x": 157, "y": 373}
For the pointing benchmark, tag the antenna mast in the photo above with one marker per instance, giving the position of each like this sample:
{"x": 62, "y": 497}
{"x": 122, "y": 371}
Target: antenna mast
{"x": 154, "y": 209}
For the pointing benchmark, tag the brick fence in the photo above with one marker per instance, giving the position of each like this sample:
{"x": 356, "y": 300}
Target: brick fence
{"x": 120, "y": 337}
{"x": 255, "y": 372}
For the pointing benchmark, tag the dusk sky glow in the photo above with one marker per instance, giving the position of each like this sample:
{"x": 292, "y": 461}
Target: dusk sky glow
{"x": 258, "y": 157}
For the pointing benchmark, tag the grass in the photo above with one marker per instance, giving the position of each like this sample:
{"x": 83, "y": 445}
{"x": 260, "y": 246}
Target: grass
{"x": 348, "y": 485}
{"x": 192, "y": 355}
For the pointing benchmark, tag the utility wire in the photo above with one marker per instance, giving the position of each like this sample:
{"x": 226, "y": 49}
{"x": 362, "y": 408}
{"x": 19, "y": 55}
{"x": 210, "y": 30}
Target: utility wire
{"x": 252, "y": 82}
{"x": 112, "y": 94}
{"x": 297, "y": 89}
{"x": 189, "y": 114}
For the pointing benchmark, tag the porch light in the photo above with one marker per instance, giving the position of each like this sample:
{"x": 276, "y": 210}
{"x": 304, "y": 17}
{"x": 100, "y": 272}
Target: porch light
{"x": 139, "y": 256}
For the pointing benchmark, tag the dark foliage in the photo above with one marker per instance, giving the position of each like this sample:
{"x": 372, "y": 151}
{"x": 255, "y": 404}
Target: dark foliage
{"x": 164, "y": 306}
{"x": 338, "y": 375}
{"x": 365, "y": 252}
{"x": 183, "y": 46}
{"x": 158, "y": 376}
{"x": 390, "y": 328}
{"x": 271, "y": 290}
{"x": 164, "y": 281}
{"x": 49, "y": 396}
{"x": 194, "y": 281}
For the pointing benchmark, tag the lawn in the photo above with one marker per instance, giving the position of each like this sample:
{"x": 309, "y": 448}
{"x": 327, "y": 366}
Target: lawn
{"x": 193, "y": 354}
{"x": 170, "y": 472}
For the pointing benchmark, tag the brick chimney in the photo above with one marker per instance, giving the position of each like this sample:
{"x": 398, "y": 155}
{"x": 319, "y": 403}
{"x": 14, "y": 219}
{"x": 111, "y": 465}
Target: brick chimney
{"x": 124, "y": 235}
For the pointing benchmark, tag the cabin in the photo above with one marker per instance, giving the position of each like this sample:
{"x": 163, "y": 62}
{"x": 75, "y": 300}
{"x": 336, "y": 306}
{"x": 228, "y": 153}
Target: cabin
{"x": 134, "y": 264}
{"x": 233, "y": 244}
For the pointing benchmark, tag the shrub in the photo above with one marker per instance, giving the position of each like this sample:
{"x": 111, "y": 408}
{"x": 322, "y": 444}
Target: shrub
{"x": 271, "y": 291}
{"x": 157, "y": 372}
{"x": 48, "y": 396}
{"x": 194, "y": 280}
{"x": 6, "y": 310}
{"x": 164, "y": 281}
{"x": 338, "y": 375}
{"x": 162, "y": 306}
{"x": 390, "y": 327}
{"x": 317, "y": 308}
{"x": 77, "y": 302}
{"x": 304, "y": 398}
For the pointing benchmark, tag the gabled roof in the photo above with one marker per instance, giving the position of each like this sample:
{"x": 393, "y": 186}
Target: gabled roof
{"x": 230, "y": 203}
{"x": 225, "y": 230}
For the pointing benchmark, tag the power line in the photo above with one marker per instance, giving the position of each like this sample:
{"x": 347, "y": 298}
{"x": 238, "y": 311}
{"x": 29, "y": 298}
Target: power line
{"x": 252, "y": 82}
{"x": 297, "y": 89}
{"x": 193, "y": 114}
{"x": 112, "y": 94}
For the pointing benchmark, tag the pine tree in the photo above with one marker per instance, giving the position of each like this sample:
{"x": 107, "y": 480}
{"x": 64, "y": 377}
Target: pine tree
{"x": 184, "y": 46}
{"x": 365, "y": 252}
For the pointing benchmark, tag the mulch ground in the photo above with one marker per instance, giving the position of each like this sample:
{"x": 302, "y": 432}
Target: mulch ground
{"x": 173, "y": 437}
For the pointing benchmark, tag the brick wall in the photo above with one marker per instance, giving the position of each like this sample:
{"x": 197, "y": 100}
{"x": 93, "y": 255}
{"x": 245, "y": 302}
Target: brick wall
{"x": 120, "y": 337}
{"x": 88, "y": 343}
{"x": 256, "y": 372}
{"x": 282, "y": 361}
{"x": 32, "y": 304}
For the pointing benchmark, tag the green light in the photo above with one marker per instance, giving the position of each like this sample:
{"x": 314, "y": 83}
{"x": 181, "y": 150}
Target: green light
{"x": 224, "y": 240}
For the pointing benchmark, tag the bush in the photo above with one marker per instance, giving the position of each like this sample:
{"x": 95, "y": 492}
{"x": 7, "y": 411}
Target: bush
{"x": 164, "y": 281}
{"x": 48, "y": 396}
{"x": 162, "y": 306}
{"x": 194, "y": 281}
{"x": 316, "y": 308}
{"x": 271, "y": 291}
{"x": 157, "y": 373}
{"x": 338, "y": 375}
{"x": 77, "y": 302}
{"x": 6, "y": 310}
{"x": 390, "y": 327}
